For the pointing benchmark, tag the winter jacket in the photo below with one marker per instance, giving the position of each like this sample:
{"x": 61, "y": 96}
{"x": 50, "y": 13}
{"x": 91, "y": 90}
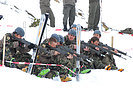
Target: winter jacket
{"x": 15, "y": 49}
{"x": 71, "y": 2}
{"x": 46, "y": 57}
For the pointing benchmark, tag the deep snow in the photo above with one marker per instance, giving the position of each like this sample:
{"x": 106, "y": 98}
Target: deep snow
{"x": 97, "y": 85}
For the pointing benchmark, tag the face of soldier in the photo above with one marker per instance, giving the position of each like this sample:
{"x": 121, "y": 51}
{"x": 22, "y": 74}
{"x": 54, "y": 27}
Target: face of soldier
{"x": 53, "y": 44}
{"x": 58, "y": 43}
{"x": 18, "y": 36}
{"x": 71, "y": 37}
{"x": 95, "y": 43}
{"x": 74, "y": 28}
{"x": 97, "y": 35}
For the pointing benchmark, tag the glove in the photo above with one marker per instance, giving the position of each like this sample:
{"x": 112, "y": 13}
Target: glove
{"x": 108, "y": 67}
{"x": 31, "y": 46}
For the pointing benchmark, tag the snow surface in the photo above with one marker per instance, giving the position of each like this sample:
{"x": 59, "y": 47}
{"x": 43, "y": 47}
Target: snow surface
{"x": 97, "y": 85}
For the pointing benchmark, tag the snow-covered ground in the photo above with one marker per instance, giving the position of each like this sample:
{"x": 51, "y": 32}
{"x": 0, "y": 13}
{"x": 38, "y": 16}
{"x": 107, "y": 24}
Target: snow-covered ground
{"x": 97, "y": 85}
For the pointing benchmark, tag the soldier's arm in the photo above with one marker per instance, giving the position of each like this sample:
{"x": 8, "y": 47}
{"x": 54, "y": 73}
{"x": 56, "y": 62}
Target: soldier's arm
{"x": 1, "y": 45}
{"x": 8, "y": 37}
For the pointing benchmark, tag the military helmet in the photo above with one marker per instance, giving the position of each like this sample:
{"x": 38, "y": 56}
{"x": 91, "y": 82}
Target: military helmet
{"x": 19, "y": 31}
{"x": 97, "y": 32}
{"x": 72, "y": 32}
{"x": 61, "y": 39}
{"x": 56, "y": 37}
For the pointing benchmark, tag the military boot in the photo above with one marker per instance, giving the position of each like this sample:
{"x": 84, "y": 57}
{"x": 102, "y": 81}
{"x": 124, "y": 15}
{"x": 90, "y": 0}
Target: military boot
{"x": 65, "y": 79}
{"x": 65, "y": 28}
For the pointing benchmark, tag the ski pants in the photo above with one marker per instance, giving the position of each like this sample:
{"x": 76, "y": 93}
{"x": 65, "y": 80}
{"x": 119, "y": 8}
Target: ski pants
{"x": 69, "y": 12}
{"x": 94, "y": 14}
{"x": 47, "y": 9}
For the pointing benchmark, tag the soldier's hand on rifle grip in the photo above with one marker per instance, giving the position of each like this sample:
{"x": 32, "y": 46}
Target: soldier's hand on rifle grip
{"x": 75, "y": 46}
{"x": 56, "y": 53}
{"x": 86, "y": 49}
{"x": 70, "y": 56}
{"x": 115, "y": 51}
{"x": 97, "y": 48}
{"x": 75, "y": 55}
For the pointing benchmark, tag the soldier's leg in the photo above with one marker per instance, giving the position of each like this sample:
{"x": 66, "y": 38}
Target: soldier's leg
{"x": 66, "y": 11}
{"x": 97, "y": 63}
{"x": 92, "y": 12}
{"x": 109, "y": 60}
{"x": 43, "y": 9}
{"x": 97, "y": 16}
{"x": 72, "y": 16}
{"x": 51, "y": 17}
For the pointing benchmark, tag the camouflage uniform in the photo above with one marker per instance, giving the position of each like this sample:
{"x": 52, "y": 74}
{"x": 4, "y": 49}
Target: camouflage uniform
{"x": 43, "y": 57}
{"x": 48, "y": 58}
{"x": 63, "y": 60}
{"x": 87, "y": 65}
{"x": 70, "y": 44}
{"x": 53, "y": 59}
{"x": 100, "y": 62}
{"x": 15, "y": 50}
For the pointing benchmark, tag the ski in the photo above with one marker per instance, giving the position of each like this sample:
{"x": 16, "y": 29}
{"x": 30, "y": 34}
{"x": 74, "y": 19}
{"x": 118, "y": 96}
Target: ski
{"x": 78, "y": 36}
{"x": 42, "y": 26}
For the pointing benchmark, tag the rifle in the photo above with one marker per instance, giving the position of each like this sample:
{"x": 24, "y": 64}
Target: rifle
{"x": 105, "y": 50}
{"x": 66, "y": 53}
{"x": 45, "y": 50}
{"x": 83, "y": 45}
{"x": 110, "y": 48}
{"x": 110, "y": 52}
{"x": 29, "y": 43}
{"x": 65, "y": 48}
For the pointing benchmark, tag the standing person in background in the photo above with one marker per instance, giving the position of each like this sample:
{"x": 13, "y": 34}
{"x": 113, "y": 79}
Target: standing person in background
{"x": 45, "y": 8}
{"x": 94, "y": 14}
{"x": 69, "y": 12}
